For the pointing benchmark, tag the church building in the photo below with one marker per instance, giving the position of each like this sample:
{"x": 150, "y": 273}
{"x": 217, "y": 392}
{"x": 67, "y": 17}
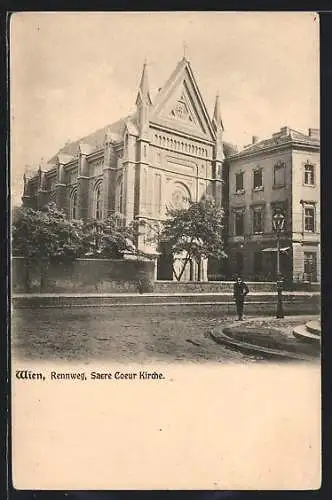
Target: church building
{"x": 166, "y": 153}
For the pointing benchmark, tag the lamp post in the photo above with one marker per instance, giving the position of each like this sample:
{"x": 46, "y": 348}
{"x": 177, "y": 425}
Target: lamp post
{"x": 278, "y": 226}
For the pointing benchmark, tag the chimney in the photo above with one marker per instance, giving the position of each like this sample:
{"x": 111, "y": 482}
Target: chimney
{"x": 254, "y": 139}
{"x": 314, "y": 133}
{"x": 284, "y": 130}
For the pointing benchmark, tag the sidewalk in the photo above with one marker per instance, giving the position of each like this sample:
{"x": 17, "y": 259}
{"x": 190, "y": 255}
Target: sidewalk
{"x": 256, "y": 303}
{"x": 175, "y": 294}
{"x": 269, "y": 337}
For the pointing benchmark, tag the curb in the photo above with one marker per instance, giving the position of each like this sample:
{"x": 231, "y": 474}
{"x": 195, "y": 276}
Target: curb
{"x": 294, "y": 304}
{"x": 140, "y": 304}
{"x": 286, "y": 295}
{"x": 223, "y": 339}
{"x": 303, "y": 333}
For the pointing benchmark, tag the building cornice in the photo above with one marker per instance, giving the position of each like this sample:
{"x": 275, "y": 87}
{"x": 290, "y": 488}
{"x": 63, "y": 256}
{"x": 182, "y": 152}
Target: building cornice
{"x": 183, "y": 174}
{"x": 71, "y": 163}
{"x": 51, "y": 171}
{"x": 292, "y": 145}
{"x": 71, "y": 166}
{"x": 95, "y": 154}
{"x": 181, "y": 133}
{"x": 191, "y": 155}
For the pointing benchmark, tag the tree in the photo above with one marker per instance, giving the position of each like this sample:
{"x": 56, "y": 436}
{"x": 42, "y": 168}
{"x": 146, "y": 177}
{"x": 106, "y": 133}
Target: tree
{"x": 110, "y": 238}
{"x": 151, "y": 230}
{"x": 44, "y": 236}
{"x": 195, "y": 232}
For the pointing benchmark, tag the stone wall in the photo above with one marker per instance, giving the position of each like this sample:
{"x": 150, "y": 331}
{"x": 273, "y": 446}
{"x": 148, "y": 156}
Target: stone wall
{"x": 208, "y": 287}
{"x": 81, "y": 276}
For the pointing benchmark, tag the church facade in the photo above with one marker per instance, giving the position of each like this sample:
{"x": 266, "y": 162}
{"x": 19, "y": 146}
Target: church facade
{"x": 166, "y": 153}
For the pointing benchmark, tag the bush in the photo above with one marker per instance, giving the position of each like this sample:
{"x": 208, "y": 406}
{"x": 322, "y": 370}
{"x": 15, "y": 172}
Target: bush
{"x": 144, "y": 285}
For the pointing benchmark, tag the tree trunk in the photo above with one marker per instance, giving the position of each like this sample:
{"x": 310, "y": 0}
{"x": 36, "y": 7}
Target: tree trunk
{"x": 43, "y": 276}
{"x": 175, "y": 274}
{"x": 187, "y": 259}
{"x": 27, "y": 277}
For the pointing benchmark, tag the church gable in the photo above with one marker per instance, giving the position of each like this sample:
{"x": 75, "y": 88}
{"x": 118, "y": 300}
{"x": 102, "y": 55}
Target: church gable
{"x": 184, "y": 110}
{"x": 180, "y": 106}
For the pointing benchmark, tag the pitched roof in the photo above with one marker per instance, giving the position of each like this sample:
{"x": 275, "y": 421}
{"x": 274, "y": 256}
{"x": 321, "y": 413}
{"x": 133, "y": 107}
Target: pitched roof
{"x": 183, "y": 71}
{"x": 286, "y": 135}
{"x": 95, "y": 139}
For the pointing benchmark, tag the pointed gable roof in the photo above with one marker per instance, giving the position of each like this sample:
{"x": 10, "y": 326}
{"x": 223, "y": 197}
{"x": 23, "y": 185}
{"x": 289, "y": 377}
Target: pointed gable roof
{"x": 180, "y": 90}
{"x": 143, "y": 94}
{"x": 85, "y": 149}
{"x": 179, "y": 104}
{"x": 64, "y": 158}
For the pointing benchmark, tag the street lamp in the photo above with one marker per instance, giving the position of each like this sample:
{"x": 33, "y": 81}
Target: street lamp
{"x": 278, "y": 226}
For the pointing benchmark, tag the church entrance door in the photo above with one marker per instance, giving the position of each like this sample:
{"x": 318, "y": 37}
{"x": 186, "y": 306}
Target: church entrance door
{"x": 165, "y": 265}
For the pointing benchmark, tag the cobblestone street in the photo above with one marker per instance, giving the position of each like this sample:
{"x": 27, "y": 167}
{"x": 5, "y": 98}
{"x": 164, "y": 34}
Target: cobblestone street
{"x": 136, "y": 334}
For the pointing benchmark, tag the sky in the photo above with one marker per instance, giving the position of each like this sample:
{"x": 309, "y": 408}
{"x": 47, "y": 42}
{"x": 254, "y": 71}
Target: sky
{"x": 72, "y": 73}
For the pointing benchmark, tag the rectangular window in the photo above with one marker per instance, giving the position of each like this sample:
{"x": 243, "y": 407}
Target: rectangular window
{"x": 258, "y": 178}
{"x": 309, "y": 174}
{"x": 239, "y": 224}
{"x": 258, "y": 262}
{"x": 258, "y": 221}
{"x": 279, "y": 174}
{"x": 310, "y": 266}
{"x": 239, "y": 182}
{"x": 309, "y": 219}
{"x": 239, "y": 263}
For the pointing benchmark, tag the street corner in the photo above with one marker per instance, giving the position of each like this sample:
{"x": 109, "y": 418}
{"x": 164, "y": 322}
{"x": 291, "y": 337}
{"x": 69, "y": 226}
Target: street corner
{"x": 268, "y": 338}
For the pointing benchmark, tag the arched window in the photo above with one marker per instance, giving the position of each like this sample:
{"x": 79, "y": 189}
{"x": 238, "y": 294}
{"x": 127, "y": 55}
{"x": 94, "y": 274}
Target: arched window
{"x": 98, "y": 201}
{"x": 73, "y": 205}
{"x": 119, "y": 204}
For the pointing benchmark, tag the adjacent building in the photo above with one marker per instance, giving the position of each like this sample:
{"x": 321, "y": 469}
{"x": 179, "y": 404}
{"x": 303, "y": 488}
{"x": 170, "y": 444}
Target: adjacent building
{"x": 280, "y": 173}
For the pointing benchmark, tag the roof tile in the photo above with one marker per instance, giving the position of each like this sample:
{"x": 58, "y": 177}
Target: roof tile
{"x": 284, "y": 136}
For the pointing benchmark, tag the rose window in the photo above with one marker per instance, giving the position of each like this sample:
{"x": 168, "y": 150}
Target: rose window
{"x": 179, "y": 198}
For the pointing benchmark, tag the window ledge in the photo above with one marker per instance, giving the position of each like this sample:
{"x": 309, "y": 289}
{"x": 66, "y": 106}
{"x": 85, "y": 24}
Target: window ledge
{"x": 258, "y": 233}
{"x": 240, "y": 191}
{"x": 259, "y": 188}
{"x": 309, "y": 185}
{"x": 278, "y": 186}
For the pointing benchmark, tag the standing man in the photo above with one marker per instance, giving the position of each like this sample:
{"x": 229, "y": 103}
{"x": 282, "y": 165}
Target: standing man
{"x": 240, "y": 291}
